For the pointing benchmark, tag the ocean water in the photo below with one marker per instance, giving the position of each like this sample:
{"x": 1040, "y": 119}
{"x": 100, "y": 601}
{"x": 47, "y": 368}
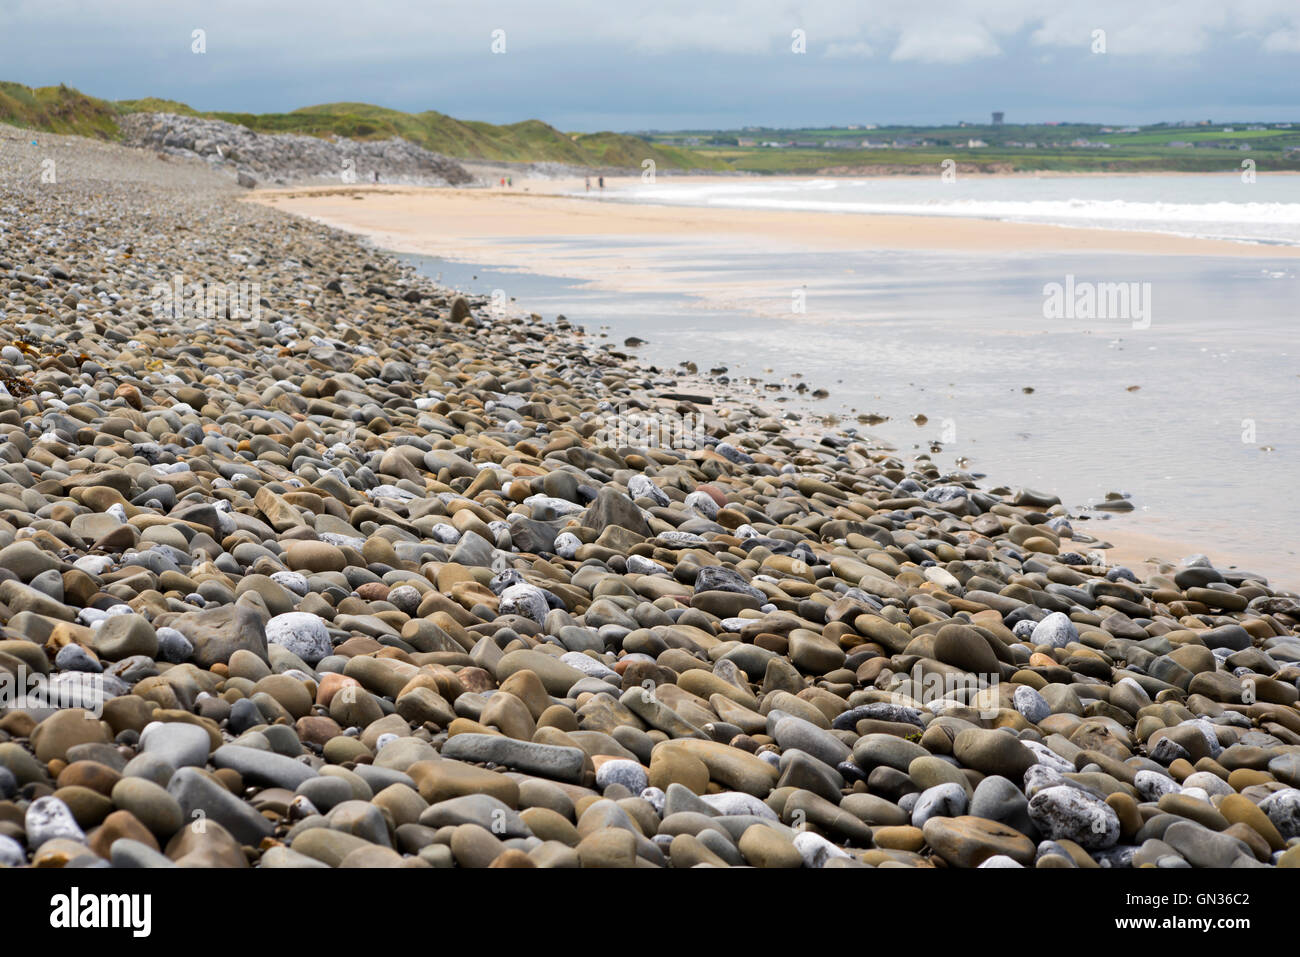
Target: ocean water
{"x": 1229, "y": 205}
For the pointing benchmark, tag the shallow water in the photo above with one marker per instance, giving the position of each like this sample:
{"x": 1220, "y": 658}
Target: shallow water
{"x": 1207, "y": 446}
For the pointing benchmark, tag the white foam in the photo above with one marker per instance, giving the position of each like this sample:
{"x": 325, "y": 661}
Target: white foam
{"x": 1065, "y": 201}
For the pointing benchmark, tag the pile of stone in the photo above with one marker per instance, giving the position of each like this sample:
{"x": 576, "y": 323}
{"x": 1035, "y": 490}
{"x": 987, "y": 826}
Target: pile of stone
{"x": 284, "y": 158}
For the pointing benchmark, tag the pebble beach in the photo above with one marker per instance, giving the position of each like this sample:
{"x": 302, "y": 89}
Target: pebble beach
{"x": 306, "y": 562}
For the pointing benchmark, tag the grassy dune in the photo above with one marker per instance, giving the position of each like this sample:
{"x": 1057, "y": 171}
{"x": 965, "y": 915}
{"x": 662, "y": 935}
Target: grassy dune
{"x": 62, "y": 109}
{"x": 57, "y": 109}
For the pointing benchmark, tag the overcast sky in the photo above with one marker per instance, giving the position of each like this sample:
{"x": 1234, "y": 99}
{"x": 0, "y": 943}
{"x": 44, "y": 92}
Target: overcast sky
{"x": 671, "y": 64}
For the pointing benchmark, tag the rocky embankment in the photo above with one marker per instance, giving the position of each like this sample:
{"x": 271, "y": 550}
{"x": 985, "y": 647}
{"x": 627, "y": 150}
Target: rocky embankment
{"x": 358, "y": 578}
{"x": 282, "y": 158}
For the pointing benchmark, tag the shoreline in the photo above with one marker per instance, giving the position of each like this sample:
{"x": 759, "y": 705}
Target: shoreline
{"x": 499, "y": 167}
{"x": 398, "y": 217}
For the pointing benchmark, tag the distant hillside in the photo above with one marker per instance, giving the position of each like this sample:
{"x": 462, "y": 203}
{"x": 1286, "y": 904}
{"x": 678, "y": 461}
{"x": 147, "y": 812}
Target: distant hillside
{"x": 65, "y": 110}
{"x": 620, "y": 149}
{"x": 152, "y": 104}
{"x": 1061, "y": 147}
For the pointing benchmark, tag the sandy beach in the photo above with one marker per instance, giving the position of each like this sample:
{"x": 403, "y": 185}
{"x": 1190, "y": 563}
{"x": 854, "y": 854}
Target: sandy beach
{"x": 514, "y": 222}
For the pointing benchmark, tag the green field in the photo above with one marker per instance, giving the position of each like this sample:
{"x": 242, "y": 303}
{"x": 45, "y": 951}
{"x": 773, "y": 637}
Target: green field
{"x": 1059, "y": 148}
{"x": 813, "y": 161}
{"x": 920, "y": 149}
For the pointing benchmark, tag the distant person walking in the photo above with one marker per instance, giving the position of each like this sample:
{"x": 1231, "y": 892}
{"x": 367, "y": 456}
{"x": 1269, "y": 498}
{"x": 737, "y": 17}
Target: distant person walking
{"x": 589, "y": 184}
{"x": 602, "y": 182}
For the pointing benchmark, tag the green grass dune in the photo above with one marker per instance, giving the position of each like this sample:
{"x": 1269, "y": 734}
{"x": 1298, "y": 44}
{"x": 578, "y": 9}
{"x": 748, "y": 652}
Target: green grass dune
{"x": 57, "y": 109}
{"x": 61, "y": 109}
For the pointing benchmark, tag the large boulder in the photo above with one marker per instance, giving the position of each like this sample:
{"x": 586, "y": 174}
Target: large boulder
{"x": 217, "y": 633}
{"x": 614, "y": 508}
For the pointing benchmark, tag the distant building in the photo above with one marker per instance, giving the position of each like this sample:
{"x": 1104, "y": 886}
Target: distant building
{"x": 997, "y": 118}
{"x": 1179, "y": 144}
{"x": 976, "y": 144}
{"x": 744, "y": 142}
